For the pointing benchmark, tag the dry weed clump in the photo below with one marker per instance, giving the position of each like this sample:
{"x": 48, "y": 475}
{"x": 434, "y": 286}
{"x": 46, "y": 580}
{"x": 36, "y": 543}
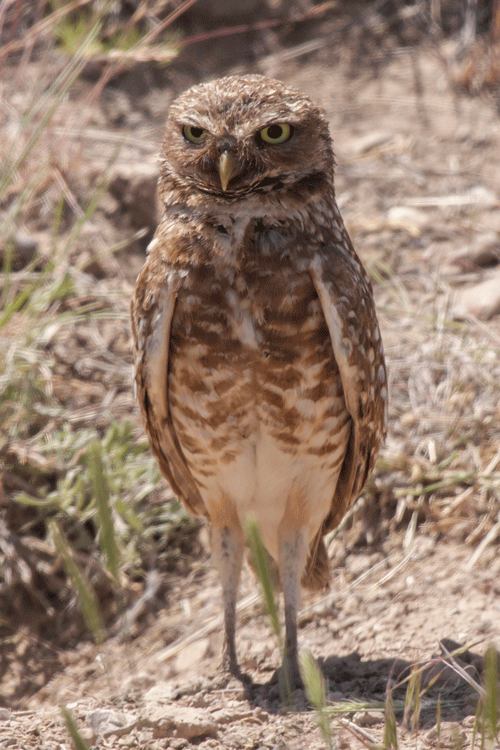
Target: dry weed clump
{"x": 81, "y": 515}
{"x": 440, "y": 469}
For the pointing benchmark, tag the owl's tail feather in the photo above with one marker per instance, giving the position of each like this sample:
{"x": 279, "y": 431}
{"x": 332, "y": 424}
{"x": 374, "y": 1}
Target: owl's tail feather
{"x": 316, "y": 576}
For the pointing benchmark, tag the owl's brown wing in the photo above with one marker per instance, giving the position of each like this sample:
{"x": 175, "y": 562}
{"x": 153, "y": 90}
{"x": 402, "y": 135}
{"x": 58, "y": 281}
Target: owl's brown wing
{"x": 151, "y": 313}
{"x": 346, "y": 298}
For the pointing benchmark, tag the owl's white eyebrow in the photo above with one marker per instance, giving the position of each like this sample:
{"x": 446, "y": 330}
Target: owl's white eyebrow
{"x": 194, "y": 119}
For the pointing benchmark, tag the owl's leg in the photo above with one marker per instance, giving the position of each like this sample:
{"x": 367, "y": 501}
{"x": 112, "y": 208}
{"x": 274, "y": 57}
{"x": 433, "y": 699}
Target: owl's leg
{"x": 227, "y": 550}
{"x": 292, "y": 559}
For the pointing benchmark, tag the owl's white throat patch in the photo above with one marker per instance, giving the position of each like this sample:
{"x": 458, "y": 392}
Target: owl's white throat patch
{"x": 235, "y": 220}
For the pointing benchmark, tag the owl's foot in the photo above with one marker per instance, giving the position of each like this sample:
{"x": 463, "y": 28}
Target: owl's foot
{"x": 288, "y": 679}
{"x": 233, "y": 672}
{"x": 231, "y": 667}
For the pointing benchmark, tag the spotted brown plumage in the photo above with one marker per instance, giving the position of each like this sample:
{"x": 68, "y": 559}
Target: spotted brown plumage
{"x": 259, "y": 364}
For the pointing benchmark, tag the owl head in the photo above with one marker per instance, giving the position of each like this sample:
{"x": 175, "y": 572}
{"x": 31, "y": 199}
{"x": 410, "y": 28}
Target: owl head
{"x": 245, "y": 135}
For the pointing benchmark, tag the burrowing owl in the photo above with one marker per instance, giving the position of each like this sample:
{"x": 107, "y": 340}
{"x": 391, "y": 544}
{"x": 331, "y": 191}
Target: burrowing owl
{"x": 259, "y": 364}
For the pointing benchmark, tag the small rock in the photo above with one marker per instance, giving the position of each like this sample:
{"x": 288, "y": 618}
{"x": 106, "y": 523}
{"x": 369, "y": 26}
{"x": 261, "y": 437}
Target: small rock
{"x": 365, "y": 719}
{"x": 202, "y": 700}
{"x": 105, "y": 722}
{"x": 348, "y": 688}
{"x": 357, "y": 564}
{"x": 483, "y": 251}
{"x": 481, "y": 300}
{"x": 450, "y": 735}
{"x": 179, "y": 721}
{"x": 138, "y": 683}
{"x": 162, "y": 692}
{"x": 469, "y": 721}
{"x": 335, "y": 697}
{"x": 191, "y": 656}
{"x": 481, "y": 196}
{"x": 411, "y": 220}
{"x": 222, "y": 716}
{"x": 260, "y": 714}
{"x": 5, "y": 714}
{"x": 178, "y": 744}
{"x": 127, "y": 742}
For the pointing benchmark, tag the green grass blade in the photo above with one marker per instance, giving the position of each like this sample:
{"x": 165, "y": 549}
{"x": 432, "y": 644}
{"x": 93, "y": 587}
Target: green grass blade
{"x": 78, "y": 741}
{"x": 261, "y": 563}
{"x": 260, "y": 558}
{"x": 83, "y": 589}
{"x": 490, "y": 709}
{"x": 316, "y": 693}
{"x": 390, "y": 728}
{"x": 438, "y": 720}
{"x": 409, "y": 697}
{"x": 100, "y": 485}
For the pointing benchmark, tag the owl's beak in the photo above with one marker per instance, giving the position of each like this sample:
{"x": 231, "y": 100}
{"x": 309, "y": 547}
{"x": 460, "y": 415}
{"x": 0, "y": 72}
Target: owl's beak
{"x": 227, "y": 165}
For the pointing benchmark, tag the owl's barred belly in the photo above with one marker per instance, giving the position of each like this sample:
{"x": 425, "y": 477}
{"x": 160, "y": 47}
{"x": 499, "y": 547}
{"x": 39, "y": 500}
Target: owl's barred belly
{"x": 257, "y": 404}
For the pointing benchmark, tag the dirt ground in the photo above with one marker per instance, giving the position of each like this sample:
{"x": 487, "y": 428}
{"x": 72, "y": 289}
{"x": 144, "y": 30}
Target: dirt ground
{"x": 419, "y": 187}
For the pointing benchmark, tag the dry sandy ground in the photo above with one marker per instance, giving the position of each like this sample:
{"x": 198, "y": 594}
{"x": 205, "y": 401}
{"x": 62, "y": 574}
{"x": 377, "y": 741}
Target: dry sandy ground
{"x": 418, "y": 184}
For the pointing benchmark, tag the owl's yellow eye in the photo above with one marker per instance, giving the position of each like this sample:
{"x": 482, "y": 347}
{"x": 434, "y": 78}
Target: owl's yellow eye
{"x": 278, "y": 133}
{"x": 193, "y": 134}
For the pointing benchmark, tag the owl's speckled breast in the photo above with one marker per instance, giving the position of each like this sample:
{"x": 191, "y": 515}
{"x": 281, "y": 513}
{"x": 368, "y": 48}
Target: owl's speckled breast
{"x": 254, "y": 391}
